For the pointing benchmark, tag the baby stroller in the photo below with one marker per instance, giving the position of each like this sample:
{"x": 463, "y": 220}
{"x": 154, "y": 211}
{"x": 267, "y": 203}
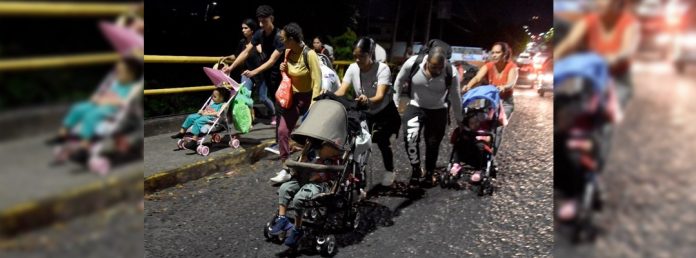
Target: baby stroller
{"x": 474, "y": 141}
{"x": 584, "y": 108}
{"x": 124, "y": 128}
{"x": 221, "y": 123}
{"x": 336, "y": 210}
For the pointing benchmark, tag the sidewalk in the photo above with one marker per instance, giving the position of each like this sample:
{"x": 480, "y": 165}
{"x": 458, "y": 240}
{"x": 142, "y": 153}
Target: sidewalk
{"x": 165, "y": 166}
{"x": 34, "y": 194}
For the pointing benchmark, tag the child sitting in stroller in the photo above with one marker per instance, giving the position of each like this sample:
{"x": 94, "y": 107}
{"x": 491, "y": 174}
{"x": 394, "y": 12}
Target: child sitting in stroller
{"x": 328, "y": 177}
{"x": 199, "y": 119}
{"x": 474, "y": 140}
{"x": 293, "y": 193}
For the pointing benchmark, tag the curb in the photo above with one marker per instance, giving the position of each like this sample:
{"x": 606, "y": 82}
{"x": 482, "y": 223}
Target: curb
{"x": 172, "y": 177}
{"x": 70, "y": 204}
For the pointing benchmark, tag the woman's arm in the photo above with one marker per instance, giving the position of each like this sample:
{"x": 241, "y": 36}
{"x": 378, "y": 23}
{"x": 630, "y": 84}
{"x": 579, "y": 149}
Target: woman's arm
{"x": 629, "y": 45}
{"x": 270, "y": 62}
{"x": 479, "y": 76}
{"x": 315, "y": 70}
{"x": 512, "y": 79}
{"x": 572, "y": 41}
{"x": 382, "y": 84}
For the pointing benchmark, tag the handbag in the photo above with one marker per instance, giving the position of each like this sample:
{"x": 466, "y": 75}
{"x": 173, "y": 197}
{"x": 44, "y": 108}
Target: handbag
{"x": 284, "y": 93}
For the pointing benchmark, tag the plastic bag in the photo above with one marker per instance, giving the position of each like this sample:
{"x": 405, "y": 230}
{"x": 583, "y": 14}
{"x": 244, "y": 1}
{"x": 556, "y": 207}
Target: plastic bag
{"x": 241, "y": 111}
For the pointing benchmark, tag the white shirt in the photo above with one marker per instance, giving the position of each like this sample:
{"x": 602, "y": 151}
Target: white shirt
{"x": 380, "y": 54}
{"x": 429, "y": 93}
{"x": 329, "y": 79}
{"x": 365, "y": 83}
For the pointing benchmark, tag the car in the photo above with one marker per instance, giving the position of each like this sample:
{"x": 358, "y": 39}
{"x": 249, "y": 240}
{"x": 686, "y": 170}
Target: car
{"x": 524, "y": 58}
{"x": 526, "y": 75}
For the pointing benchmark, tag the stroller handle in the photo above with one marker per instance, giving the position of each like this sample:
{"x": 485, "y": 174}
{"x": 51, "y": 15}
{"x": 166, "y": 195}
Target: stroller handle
{"x": 302, "y": 166}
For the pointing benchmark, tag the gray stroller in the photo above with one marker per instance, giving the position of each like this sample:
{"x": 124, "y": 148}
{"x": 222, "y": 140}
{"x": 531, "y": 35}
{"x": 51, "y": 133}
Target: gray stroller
{"x": 335, "y": 210}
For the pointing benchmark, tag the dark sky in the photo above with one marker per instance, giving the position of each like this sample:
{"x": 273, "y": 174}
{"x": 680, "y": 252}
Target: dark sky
{"x": 178, "y": 26}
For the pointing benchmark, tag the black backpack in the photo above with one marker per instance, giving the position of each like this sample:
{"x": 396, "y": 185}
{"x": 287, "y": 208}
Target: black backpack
{"x": 406, "y": 87}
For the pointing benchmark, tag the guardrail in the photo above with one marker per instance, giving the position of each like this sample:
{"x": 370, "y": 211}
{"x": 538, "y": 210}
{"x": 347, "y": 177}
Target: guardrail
{"x": 68, "y": 9}
{"x": 340, "y": 67}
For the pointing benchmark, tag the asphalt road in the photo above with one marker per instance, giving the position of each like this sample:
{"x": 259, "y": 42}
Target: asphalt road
{"x": 223, "y": 215}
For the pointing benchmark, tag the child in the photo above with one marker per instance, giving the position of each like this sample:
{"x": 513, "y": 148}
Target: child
{"x": 292, "y": 193}
{"x": 202, "y": 117}
{"x": 102, "y": 105}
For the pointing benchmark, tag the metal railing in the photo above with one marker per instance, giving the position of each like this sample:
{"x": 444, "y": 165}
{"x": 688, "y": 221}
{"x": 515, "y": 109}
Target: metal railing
{"x": 66, "y": 9}
{"x": 61, "y": 9}
{"x": 340, "y": 67}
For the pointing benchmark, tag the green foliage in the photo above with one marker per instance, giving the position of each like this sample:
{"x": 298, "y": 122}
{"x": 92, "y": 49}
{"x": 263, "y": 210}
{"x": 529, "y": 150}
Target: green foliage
{"x": 343, "y": 45}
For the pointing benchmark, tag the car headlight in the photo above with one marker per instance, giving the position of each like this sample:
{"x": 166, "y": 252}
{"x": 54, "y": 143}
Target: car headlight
{"x": 663, "y": 38}
{"x": 531, "y": 76}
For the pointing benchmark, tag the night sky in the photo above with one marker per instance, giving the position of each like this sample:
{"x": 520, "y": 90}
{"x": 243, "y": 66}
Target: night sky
{"x": 178, "y": 27}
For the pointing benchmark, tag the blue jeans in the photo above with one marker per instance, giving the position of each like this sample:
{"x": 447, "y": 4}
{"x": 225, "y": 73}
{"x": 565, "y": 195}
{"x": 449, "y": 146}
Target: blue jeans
{"x": 263, "y": 93}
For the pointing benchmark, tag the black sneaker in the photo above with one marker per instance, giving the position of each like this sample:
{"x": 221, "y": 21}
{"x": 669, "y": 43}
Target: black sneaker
{"x": 178, "y": 136}
{"x": 56, "y": 140}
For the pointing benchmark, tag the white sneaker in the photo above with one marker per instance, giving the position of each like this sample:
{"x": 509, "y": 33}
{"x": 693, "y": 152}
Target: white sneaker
{"x": 388, "y": 178}
{"x": 273, "y": 149}
{"x": 281, "y": 177}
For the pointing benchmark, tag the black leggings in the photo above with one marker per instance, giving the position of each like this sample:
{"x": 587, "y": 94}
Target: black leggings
{"x": 382, "y": 125}
{"x": 435, "y": 123}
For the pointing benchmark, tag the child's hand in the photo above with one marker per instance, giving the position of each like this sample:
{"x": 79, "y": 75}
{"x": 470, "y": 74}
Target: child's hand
{"x": 283, "y": 67}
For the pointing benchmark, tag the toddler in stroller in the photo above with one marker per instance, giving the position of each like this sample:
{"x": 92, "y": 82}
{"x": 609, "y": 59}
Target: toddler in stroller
{"x": 111, "y": 112}
{"x": 585, "y": 108}
{"x": 327, "y": 179}
{"x": 474, "y": 141}
{"x": 212, "y": 118}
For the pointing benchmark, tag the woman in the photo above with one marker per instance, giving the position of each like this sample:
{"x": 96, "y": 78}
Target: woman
{"x": 371, "y": 82}
{"x": 306, "y": 85}
{"x": 249, "y": 26}
{"x": 319, "y": 48}
{"x": 611, "y": 32}
{"x": 502, "y": 72}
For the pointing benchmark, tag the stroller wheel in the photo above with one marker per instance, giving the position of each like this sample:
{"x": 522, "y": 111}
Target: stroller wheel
{"x": 180, "y": 143}
{"x": 327, "y": 245}
{"x": 267, "y": 230}
{"x": 216, "y": 138}
{"x": 483, "y": 187}
{"x": 234, "y": 143}
{"x": 99, "y": 165}
{"x": 445, "y": 180}
{"x": 203, "y": 150}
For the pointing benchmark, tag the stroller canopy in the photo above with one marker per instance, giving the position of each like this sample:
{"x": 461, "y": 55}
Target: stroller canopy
{"x": 487, "y": 92}
{"x": 327, "y": 120}
{"x": 589, "y": 66}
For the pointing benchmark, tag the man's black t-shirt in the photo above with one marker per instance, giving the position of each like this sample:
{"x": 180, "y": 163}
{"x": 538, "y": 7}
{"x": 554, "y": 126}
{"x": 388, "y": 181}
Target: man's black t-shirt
{"x": 269, "y": 43}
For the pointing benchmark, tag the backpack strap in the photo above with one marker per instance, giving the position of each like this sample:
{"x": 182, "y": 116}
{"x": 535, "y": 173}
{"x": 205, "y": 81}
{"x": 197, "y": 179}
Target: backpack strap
{"x": 305, "y": 50}
{"x": 414, "y": 69}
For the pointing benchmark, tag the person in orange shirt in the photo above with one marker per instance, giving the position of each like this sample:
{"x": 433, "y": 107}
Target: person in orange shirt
{"x": 501, "y": 72}
{"x": 612, "y": 32}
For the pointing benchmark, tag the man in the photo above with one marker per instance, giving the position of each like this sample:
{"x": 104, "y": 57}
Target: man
{"x": 427, "y": 109}
{"x": 267, "y": 41}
